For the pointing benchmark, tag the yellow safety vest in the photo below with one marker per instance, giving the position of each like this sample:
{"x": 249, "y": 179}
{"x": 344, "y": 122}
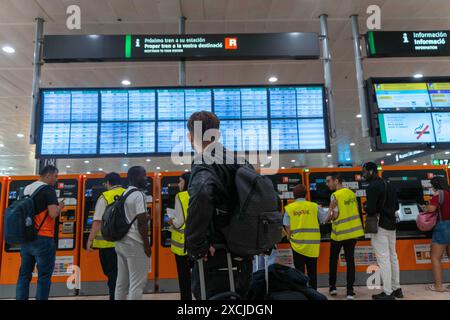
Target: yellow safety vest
{"x": 109, "y": 196}
{"x": 178, "y": 240}
{"x": 304, "y": 225}
{"x": 348, "y": 224}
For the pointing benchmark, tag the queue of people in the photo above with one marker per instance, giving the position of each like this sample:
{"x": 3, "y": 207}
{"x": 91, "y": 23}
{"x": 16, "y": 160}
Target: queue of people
{"x": 201, "y": 206}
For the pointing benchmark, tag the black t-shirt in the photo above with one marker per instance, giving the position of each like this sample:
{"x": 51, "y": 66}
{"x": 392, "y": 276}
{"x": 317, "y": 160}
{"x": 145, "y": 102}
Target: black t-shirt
{"x": 45, "y": 197}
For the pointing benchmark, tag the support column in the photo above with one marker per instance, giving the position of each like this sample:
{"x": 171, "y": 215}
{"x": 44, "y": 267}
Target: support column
{"x": 327, "y": 73}
{"x": 360, "y": 76}
{"x": 182, "y": 65}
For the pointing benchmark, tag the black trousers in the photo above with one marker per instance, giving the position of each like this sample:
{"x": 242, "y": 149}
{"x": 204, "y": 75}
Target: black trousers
{"x": 349, "y": 253}
{"x": 184, "y": 265}
{"x": 108, "y": 260}
{"x": 302, "y": 262}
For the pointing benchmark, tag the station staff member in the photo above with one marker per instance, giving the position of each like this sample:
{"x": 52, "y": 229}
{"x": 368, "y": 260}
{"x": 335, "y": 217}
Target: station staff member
{"x": 346, "y": 229}
{"x": 107, "y": 252}
{"x": 301, "y": 220}
{"x": 178, "y": 223}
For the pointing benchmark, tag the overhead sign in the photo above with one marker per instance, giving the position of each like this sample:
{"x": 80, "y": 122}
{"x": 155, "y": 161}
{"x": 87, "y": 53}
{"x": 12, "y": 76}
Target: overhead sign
{"x": 84, "y": 48}
{"x": 407, "y": 43}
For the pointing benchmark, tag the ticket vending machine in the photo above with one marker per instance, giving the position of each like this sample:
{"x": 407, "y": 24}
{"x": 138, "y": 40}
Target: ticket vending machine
{"x": 167, "y": 269}
{"x": 413, "y": 246}
{"x": 3, "y": 181}
{"x": 93, "y": 281}
{"x": 284, "y": 181}
{"x": 319, "y": 192}
{"x": 66, "y": 237}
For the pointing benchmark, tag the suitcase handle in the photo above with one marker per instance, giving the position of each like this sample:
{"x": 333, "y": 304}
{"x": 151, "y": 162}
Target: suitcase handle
{"x": 201, "y": 271}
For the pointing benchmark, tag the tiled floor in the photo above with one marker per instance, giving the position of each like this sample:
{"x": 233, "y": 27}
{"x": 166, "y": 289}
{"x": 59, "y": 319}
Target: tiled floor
{"x": 411, "y": 292}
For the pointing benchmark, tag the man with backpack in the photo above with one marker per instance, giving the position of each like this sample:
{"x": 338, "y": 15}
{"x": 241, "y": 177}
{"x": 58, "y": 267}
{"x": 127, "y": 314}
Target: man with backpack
{"x": 213, "y": 229}
{"x": 382, "y": 203}
{"x": 107, "y": 252}
{"x": 41, "y": 251}
{"x": 133, "y": 250}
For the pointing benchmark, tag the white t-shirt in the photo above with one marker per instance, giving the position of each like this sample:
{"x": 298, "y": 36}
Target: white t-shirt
{"x": 134, "y": 205}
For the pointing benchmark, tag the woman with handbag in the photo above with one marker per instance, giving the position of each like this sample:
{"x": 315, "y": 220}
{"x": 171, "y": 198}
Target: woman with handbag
{"x": 440, "y": 204}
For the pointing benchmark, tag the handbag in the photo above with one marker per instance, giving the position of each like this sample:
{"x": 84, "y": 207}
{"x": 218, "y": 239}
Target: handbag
{"x": 426, "y": 221}
{"x": 371, "y": 225}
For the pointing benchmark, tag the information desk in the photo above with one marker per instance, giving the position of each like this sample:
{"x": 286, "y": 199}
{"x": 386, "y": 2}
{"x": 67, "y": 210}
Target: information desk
{"x": 67, "y": 238}
{"x": 93, "y": 281}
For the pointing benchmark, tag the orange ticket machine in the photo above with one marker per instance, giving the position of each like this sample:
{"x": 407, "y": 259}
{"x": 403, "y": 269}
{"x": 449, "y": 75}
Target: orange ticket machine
{"x": 66, "y": 237}
{"x": 93, "y": 281}
{"x": 167, "y": 269}
{"x": 413, "y": 246}
{"x": 3, "y": 183}
{"x": 284, "y": 181}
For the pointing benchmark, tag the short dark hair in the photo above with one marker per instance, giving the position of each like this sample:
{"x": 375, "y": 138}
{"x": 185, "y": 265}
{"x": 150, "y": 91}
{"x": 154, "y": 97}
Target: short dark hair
{"x": 439, "y": 183}
{"x": 208, "y": 119}
{"x": 48, "y": 170}
{"x": 336, "y": 176}
{"x": 299, "y": 191}
{"x": 186, "y": 177}
{"x": 133, "y": 172}
{"x": 112, "y": 178}
{"x": 371, "y": 166}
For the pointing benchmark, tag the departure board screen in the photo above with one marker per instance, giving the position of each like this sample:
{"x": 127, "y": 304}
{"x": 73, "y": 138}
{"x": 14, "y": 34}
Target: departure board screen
{"x": 143, "y": 121}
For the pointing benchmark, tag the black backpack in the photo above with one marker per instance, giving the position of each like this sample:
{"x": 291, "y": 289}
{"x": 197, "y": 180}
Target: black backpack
{"x": 19, "y": 220}
{"x": 256, "y": 222}
{"x": 114, "y": 221}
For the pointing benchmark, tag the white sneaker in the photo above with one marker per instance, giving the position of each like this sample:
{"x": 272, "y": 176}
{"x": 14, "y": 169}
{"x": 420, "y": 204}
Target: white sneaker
{"x": 333, "y": 292}
{"x": 350, "y": 297}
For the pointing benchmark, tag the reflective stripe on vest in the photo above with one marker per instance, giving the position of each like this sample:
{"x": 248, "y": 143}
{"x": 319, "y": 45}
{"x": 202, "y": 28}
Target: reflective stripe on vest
{"x": 109, "y": 197}
{"x": 304, "y": 225}
{"x": 348, "y": 224}
{"x": 178, "y": 240}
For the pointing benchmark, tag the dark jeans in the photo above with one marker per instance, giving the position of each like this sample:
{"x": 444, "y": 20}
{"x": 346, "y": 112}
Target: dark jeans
{"x": 217, "y": 279}
{"x": 108, "y": 260}
{"x": 349, "y": 252}
{"x": 301, "y": 262}
{"x": 41, "y": 252}
{"x": 184, "y": 265}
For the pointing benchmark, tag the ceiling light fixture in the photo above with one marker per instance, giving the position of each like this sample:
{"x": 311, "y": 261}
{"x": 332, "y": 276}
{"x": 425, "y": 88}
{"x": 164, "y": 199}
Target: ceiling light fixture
{"x": 389, "y": 154}
{"x": 67, "y": 166}
{"x": 148, "y": 160}
{"x": 8, "y": 49}
{"x": 273, "y": 79}
{"x": 126, "y": 82}
{"x": 125, "y": 165}
{"x": 418, "y": 76}
{"x": 359, "y": 115}
{"x": 329, "y": 156}
{"x": 20, "y": 135}
{"x": 292, "y": 160}
{"x": 158, "y": 168}
{"x": 2, "y": 145}
{"x": 352, "y": 144}
{"x": 100, "y": 169}
{"x": 86, "y": 161}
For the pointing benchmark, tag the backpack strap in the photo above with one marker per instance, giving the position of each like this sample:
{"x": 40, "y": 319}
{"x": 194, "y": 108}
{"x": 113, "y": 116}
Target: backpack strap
{"x": 32, "y": 196}
{"x": 440, "y": 201}
{"x": 124, "y": 198}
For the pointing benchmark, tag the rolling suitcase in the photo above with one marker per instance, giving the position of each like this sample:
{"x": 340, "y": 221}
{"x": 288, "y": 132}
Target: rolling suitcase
{"x": 227, "y": 295}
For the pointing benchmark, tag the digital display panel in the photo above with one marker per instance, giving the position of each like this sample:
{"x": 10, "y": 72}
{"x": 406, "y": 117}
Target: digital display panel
{"x": 141, "y": 121}
{"x": 407, "y": 113}
{"x": 439, "y": 94}
{"x": 406, "y": 128}
{"x": 402, "y": 96}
